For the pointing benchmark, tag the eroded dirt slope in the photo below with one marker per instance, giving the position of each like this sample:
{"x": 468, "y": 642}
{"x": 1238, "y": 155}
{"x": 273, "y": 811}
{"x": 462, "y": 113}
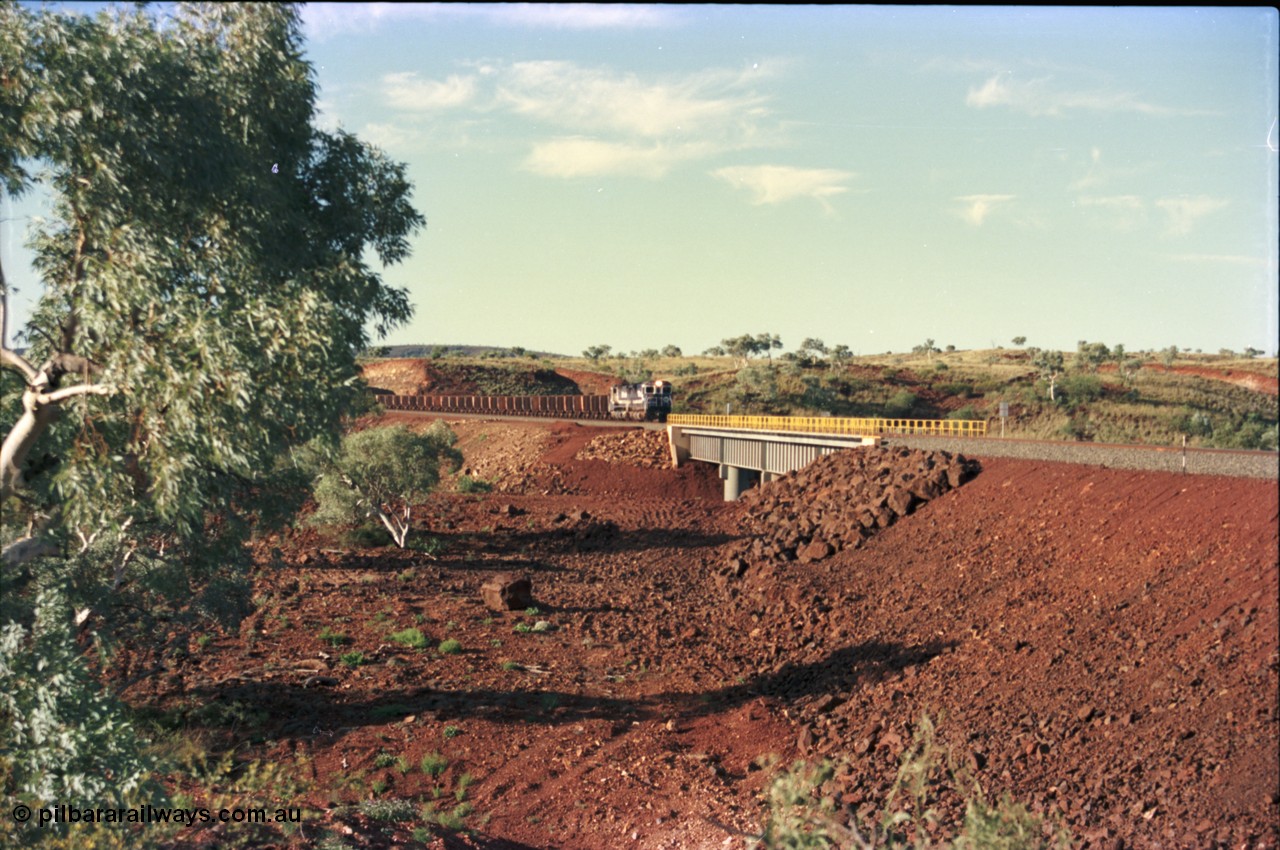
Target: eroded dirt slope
{"x": 1102, "y": 644}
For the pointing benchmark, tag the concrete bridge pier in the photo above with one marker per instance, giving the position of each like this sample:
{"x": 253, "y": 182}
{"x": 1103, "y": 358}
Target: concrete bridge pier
{"x": 737, "y": 481}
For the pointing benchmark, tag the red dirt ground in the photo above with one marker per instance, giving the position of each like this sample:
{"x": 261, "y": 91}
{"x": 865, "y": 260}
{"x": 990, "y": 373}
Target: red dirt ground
{"x": 1102, "y": 644}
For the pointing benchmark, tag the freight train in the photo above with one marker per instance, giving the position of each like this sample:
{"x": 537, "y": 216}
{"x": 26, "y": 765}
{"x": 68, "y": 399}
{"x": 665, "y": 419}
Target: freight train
{"x": 647, "y": 401}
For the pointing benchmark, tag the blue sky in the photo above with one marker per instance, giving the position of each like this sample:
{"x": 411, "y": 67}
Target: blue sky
{"x": 648, "y": 175}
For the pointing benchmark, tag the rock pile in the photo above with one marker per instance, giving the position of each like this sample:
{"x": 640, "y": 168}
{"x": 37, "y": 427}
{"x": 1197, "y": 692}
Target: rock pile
{"x": 840, "y": 500}
{"x": 643, "y": 448}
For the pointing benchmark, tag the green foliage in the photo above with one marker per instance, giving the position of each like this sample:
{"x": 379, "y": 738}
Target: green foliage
{"x": 451, "y": 732}
{"x": 206, "y": 291}
{"x": 1081, "y": 389}
{"x": 802, "y": 815}
{"x": 331, "y": 637}
{"x": 1078, "y": 427}
{"x": 450, "y": 647}
{"x": 964, "y": 390}
{"x": 900, "y": 404}
{"x": 1228, "y": 431}
{"x": 756, "y": 390}
{"x": 818, "y": 394}
{"x": 468, "y": 484}
{"x": 434, "y": 764}
{"x": 353, "y": 659}
{"x": 62, "y": 738}
{"x": 412, "y": 638}
{"x": 380, "y": 473}
{"x": 1090, "y": 355}
{"x": 387, "y": 811}
{"x": 926, "y": 348}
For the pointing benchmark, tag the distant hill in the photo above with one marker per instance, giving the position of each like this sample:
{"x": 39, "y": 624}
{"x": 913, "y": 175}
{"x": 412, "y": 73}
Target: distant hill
{"x": 1214, "y": 400}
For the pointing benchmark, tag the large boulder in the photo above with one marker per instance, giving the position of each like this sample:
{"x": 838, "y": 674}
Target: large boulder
{"x": 507, "y": 592}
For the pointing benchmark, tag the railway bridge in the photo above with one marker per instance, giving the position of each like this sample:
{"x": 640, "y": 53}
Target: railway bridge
{"x": 760, "y": 448}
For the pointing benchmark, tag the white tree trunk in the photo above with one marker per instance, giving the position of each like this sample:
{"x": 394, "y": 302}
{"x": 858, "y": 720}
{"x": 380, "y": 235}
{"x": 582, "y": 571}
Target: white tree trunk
{"x": 397, "y": 526}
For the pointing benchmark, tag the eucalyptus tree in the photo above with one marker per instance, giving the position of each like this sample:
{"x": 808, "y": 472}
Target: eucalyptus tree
{"x": 208, "y": 280}
{"x": 380, "y": 474}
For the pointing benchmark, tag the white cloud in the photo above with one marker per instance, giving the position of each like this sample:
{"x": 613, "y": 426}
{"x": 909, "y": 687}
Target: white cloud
{"x": 1039, "y": 97}
{"x": 328, "y": 20}
{"x": 976, "y": 208}
{"x": 595, "y": 120}
{"x": 389, "y": 137}
{"x": 774, "y": 184}
{"x": 404, "y": 90}
{"x": 583, "y": 16}
{"x": 1185, "y": 212}
{"x": 581, "y": 157}
{"x": 594, "y": 100}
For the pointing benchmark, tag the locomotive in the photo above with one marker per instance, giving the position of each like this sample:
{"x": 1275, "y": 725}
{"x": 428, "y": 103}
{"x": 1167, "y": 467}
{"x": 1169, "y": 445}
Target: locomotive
{"x": 650, "y": 400}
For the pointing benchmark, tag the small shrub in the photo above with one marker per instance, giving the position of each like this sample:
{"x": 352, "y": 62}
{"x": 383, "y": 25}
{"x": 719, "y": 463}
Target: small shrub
{"x": 451, "y": 732}
{"x": 456, "y": 819}
{"x": 460, "y": 791}
{"x": 387, "y": 811}
{"x": 468, "y": 484}
{"x": 427, "y": 545}
{"x": 412, "y": 638}
{"x": 900, "y": 404}
{"x": 366, "y": 537}
{"x": 961, "y": 389}
{"x": 450, "y": 647}
{"x": 1080, "y": 389}
{"x": 331, "y": 637}
{"x": 800, "y": 817}
{"x": 386, "y": 712}
{"x": 1078, "y": 427}
{"x": 434, "y": 764}
{"x": 352, "y": 659}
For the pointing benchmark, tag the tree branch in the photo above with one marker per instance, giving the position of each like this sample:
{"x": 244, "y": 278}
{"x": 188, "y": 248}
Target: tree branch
{"x": 26, "y": 549}
{"x": 14, "y": 360}
{"x": 70, "y": 392}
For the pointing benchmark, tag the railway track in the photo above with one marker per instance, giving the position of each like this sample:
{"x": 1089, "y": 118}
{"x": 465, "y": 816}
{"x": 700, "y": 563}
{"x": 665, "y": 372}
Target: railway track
{"x": 593, "y": 410}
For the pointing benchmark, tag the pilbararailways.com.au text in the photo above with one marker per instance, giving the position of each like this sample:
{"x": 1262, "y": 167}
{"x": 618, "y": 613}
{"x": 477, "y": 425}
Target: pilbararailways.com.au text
{"x": 63, "y": 814}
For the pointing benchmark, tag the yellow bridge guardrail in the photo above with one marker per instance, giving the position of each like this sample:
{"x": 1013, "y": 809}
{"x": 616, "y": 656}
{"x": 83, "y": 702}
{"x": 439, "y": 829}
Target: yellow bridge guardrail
{"x": 836, "y": 425}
